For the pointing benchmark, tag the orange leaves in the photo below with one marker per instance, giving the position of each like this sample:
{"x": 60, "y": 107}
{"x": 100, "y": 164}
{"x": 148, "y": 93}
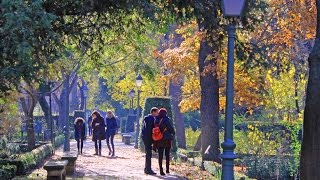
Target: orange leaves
{"x": 181, "y": 62}
{"x": 288, "y": 21}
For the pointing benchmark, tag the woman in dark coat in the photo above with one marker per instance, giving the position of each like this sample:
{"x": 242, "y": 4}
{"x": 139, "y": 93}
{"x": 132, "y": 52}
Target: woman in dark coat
{"x": 79, "y": 132}
{"x": 111, "y": 131}
{"x": 98, "y": 127}
{"x": 164, "y": 145}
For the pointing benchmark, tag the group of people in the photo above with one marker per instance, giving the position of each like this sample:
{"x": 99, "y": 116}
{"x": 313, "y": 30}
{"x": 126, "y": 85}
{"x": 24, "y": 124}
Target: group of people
{"x": 101, "y": 129}
{"x": 157, "y": 119}
{"x": 106, "y": 129}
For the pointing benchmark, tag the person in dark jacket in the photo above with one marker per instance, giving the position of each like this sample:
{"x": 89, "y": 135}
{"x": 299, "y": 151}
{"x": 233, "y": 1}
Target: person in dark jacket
{"x": 90, "y": 125}
{"x": 98, "y": 127}
{"x": 79, "y": 132}
{"x": 164, "y": 145}
{"x": 146, "y": 135}
{"x": 112, "y": 126}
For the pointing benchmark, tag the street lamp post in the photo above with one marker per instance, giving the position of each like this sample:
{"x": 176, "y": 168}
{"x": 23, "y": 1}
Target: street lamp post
{"x": 131, "y": 96}
{"x": 232, "y": 9}
{"x": 139, "y": 84}
{"x": 85, "y": 95}
{"x": 50, "y": 116}
{"x": 85, "y": 90}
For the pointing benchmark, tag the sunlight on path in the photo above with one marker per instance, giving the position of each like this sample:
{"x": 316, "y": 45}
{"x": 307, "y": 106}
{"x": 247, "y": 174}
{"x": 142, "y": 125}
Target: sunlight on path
{"x": 128, "y": 163}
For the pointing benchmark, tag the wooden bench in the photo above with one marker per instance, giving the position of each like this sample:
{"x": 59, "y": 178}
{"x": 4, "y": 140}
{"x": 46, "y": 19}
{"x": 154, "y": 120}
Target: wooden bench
{"x": 127, "y": 139}
{"x": 71, "y": 157}
{"x": 56, "y": 169}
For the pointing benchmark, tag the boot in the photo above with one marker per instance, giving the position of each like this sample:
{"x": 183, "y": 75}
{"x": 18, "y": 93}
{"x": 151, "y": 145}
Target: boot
{"x": 96, "y": 152}
{"x": 161, "y": 172}
{"x": 99, "y": 152}
{"x": 113, "y": 155}
{"x": 167, "y": 167}
{"x": 110, "y": 152}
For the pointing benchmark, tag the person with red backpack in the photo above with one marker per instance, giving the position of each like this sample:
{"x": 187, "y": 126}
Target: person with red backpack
{"x": 163, "y": 135}
{"x": 146, "y": 135}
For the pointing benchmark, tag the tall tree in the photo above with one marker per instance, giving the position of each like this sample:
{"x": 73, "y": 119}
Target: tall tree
{"x": 28, "y": 102}
{"x": 310, "y": 149}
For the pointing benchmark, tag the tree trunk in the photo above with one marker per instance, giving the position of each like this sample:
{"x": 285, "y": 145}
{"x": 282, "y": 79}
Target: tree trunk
{"x": 209, "y": 106}
{"x": 296, "y": 95}
{"x": 197, "y": 146}
{"x": 45, "y": 108}
{"x": 310, "y": 149}
{"x": 66, "y": 87}
{"x": 31, "y": 139}
{"x": 62, "y": 107}
{"x": 175, "y": 93}
{"x": 28, "y": 103}
{"x": 74, "y": 104}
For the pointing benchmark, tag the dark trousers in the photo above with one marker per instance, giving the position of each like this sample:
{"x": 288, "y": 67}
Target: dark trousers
{"x": 148, "y": 150}
{"x": 167, "y": 153}
{"x": 110, "y": 139}
{"x": 90, "y": 131}
{"x": 80, "y": 145}
{"x": 96, "y": 142}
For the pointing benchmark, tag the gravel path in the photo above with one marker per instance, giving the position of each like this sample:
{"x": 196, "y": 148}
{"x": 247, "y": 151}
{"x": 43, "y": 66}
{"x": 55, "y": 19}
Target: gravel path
{"x": 128, "y": 164}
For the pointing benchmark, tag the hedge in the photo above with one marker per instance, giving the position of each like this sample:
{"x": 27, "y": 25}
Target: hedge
{"x": 58, "y": 141}
{"x": 123, "y": 124}
{"x": 160, "y": 102}
{"x": 265, "y": 167}
{"x": 7, "y": 171}
{"x": 27, "y": 161}
{"x": 31, "y": 159}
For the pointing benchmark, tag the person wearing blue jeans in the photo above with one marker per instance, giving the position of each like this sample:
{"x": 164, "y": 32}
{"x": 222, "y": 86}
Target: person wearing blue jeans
{"x": 112, "y": 126}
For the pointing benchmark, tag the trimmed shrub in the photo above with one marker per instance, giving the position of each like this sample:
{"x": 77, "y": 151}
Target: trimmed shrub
{"x": 160, "y": 102}
{"x": 36, "y": 156}
{"x": 7, "y": 171}
{"x": 267, "y": 167}
{"x": 130, "y": 123}
{"x": 26, "y": 161}
{"x": 123, "y": 124}
{"x": 58, "y": 141}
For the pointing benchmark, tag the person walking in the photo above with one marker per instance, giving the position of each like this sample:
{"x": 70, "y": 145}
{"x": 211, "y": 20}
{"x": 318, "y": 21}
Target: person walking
{"x": 90, "y": 125}
{"x": 112, "y": 126}
{"x": 146, "y": 135}
{"x": 79, "y": 133}
{"x": 98, "y": 131}
{"x": 164, "y": 145}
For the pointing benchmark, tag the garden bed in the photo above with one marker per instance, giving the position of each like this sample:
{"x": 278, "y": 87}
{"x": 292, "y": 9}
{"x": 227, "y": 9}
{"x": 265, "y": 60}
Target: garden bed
{"x": 19, "y": 164}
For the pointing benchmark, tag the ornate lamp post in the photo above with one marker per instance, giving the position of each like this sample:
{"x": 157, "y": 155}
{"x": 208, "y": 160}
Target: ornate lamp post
{"x": 131, "y": 96}
{"x": 85, "y": 90}
{"x": 85, "y": 95}
{"x": 231, "y": 9}
{"x": 138, "y": 84}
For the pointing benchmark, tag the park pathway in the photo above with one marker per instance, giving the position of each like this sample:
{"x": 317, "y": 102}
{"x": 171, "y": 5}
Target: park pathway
{"x": 128, "y": 163}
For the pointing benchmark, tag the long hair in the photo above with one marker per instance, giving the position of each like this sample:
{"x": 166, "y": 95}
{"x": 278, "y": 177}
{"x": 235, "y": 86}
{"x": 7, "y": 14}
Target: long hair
{"x": 97, "y": 114}
{"x": 162, "y": 113}
{"x": 110, "y": 114}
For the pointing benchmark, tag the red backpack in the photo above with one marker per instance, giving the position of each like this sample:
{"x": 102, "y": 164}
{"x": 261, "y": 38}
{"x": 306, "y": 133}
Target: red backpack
{"x": 157, "y": 135}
